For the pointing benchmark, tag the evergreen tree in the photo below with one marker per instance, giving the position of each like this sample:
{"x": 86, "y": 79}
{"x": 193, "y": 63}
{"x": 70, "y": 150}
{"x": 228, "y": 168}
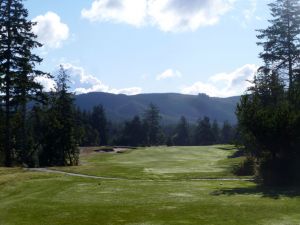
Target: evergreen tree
{"x": 133, "y": 133}
{"x": 203, "y": 132}
{"x": 60, "y": 146}
{"x": 281, "y": 40}
{"x": 216, "y": 132}
{"x": 86, "y": 134}
{"x": 227, "y": 133}
{"x": 99, "y": 123}
{"x": 17, "y": 63}
{"x": 152, "y": 125}
{"x": 1, "y": 136}
{"x": 269, "y": 114}
{"x": 182, "y": 135}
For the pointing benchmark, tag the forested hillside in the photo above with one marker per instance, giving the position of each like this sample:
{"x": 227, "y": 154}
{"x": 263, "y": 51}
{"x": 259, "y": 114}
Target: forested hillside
{"x": 172, "y": 106}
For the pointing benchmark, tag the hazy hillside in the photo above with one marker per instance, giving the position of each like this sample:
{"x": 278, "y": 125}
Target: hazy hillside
{"x": 171, "y": 105}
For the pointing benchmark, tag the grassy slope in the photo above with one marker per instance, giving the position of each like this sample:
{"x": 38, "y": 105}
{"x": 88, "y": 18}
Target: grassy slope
{"x": 42, "y": 199}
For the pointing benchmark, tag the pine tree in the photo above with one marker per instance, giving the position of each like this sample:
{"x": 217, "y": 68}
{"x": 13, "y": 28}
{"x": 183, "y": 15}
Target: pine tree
{"x": 152, "y": 125}
{"x": 17, "y": 64}
{"x": 60, "y": 146}
{"x": 281, "y": 40}
{"x": 133, "y": 133}
{"x": 216, "y": 132}
{"x": 203, "y": 132}
{"x": 1, "y": 136}
{"x": 99, "y": 123}
{"x": 86, "y": 134}
{"x": 66, "y": 116}
{"x": 182, "y": 135}
{"x": 227, "y": 133}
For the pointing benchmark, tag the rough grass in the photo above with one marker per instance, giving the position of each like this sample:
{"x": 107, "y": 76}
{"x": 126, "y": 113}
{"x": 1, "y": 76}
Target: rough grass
{"x": 33, "y": 198}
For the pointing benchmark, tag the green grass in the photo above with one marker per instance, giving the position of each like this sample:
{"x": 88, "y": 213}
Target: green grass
{"x": 161, "y": 163}
{"x": 34, "y": 198}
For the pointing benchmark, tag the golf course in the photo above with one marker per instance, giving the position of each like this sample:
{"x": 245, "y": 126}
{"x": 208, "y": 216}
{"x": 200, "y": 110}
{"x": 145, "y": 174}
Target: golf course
{"x": 150, "y": 186}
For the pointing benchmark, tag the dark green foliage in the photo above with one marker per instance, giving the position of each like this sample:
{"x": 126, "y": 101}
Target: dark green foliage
{"x": 99, "y": 124}
{"x": 269, "y": 116}
{"x": 227, "y": 135}
{"x": 85, "y": 132}
{"x": 151, "y": 122}
{"x": 216, "y": 132}
{"x": 134, "y": 133}
{"x": 60, "y": 144}
{"x": 204, "y": 134}
{"x": 1, "y": 137}
{"x": 182, "y": 135}
{"x": 246, "y": 168}
{"x": 169, "y": 141}
{"x": 17, "y": 72}
{"x": 280, "y": 40}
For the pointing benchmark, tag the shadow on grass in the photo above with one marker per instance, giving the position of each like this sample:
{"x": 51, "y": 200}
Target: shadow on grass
{"x": 267, "y": 192}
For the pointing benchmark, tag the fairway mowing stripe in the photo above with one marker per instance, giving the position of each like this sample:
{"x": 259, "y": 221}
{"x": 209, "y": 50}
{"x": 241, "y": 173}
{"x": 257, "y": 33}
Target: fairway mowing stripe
{"x": 45, "y": 170}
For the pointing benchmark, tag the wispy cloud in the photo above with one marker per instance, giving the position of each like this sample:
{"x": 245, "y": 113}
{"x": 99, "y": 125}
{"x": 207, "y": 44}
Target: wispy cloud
{"x": 127, "y": 11}
{"x": 249, "y": 13}
{"x": 167, "y": 15}
{"x": 83, "y": 82}
{"x": 169, "y": 73}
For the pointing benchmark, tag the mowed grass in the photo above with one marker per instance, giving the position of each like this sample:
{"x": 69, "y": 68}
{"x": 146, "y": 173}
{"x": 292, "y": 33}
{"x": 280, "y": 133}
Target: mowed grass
{"x": 161, "y": 163}
{"x": 34, "y": 198}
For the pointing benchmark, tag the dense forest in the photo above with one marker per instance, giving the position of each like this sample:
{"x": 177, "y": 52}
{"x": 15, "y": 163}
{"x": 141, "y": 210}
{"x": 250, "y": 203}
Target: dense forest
{"x": 147, "y": 130}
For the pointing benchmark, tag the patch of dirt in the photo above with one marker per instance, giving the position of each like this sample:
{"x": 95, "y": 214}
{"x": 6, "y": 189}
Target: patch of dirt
{"x": 90, "y": 150}
{"x": 104, "y": 150}
{"x": 120, "y": 150}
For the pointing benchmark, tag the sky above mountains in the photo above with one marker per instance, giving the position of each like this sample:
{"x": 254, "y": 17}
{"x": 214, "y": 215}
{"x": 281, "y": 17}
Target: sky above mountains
{"x": 147, "y": 46}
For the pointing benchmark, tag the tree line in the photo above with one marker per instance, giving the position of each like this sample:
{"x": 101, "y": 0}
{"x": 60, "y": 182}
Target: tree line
{"x": 148, "y": 130}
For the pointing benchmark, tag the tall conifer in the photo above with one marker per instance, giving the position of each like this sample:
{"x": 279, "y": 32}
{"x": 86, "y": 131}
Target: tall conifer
{"x": 17, "y": 65}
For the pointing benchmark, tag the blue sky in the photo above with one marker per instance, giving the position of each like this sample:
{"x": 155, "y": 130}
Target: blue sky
{"x": 147, "y": 46}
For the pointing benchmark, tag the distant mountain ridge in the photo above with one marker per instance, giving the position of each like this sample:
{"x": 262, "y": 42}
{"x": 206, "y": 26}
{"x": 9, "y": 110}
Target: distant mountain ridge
{"x": 171, "y": 105}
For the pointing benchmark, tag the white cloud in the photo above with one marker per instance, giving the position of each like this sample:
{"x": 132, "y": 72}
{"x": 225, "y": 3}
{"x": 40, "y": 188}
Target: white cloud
{"x": 200, "y": 87}
{"x": 132, "y": 12}
{"x": 167, "y": 15}
{"x": 82, "y": 82}
{"x": 225, "y": 84}
{"x": 127, "y": 91}
{"x": 47, "y": 83}
{"x": 50, "y": 30}
{"x": 182, "y": 15}
{"x": 169, "y": 73}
